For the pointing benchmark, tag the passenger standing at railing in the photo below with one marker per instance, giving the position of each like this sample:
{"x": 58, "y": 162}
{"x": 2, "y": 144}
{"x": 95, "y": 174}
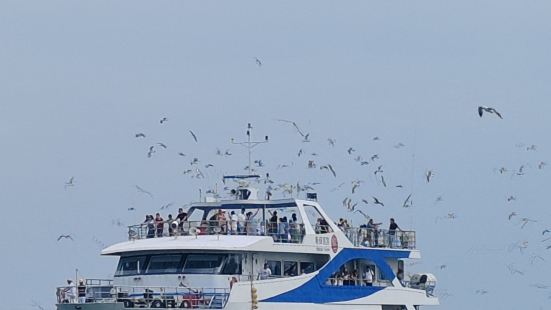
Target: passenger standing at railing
{"x": 81, "y": 291}
{"x": 150, "y": 226}
{"x": 159, "y": 224}
{"x": 70, "y": 292}
{"x": 294, "y": 229}
{"x": 170, "y": 222}
{"x": 241, "y": 219}
{"x": 181, "y": 217}
{"x": 393, "y": 242}
{"x": 250, "y": 223}
{"x": 233, "y": 223}
{"x": 272, "y": 228}
{"x": 222, "y": 222}
{"x": 373, "y": 232}
{"x": 368, "y": 276}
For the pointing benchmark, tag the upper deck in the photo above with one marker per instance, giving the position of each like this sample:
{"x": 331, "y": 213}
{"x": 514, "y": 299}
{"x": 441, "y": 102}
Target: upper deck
{"x": 285, "y": 221}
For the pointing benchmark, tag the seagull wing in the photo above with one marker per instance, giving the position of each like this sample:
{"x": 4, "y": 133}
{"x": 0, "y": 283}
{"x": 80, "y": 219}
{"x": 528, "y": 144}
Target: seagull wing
{"x": 332, "y": 170}
{"x": 193, "y": 135}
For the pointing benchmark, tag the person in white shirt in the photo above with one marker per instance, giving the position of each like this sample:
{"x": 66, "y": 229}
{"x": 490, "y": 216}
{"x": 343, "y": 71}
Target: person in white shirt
{"x": 241, "y": 219}
{"x": 265, "y": 273}
{"x": 368, "y": 277}
{"x": 70, "y": 292}
{"x": 233, "y": 223}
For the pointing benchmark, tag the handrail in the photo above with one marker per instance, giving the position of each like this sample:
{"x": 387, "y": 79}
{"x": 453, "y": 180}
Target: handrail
{"x": 368, "y": 237}
{"x": 214, "y": 298}
{"x": 281, "y": 232}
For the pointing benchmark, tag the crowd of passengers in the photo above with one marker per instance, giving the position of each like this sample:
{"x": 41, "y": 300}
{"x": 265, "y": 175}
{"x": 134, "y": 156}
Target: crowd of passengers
{"x": 282, "y": 229}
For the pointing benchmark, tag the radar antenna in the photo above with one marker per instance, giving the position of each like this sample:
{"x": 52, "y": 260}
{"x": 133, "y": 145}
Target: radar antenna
{"x": 250, "y": 144}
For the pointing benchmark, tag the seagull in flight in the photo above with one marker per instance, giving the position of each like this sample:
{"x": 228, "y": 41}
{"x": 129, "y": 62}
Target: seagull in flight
{"x": 65, "y": 237}
{"x": 164, "y": 119}
{"x": 364, "y": 215}
{"x": 407, "y": 203}
{"x": 141, "y": 190}
{"x": 258, "y": 62}
{"x": 306, "y": 136}
{"x": 70, "y": 183}
{"x": 193, "y": 135}
{"x": 140, "y": 135}
{"x": 429, "y": 175}
{"x": 151, "y": 151}
{"x": 162, "y": 145}
{"x": 330, "y": 168}
{"x": 482, "y": 109}
{"x": 377, "y": 201}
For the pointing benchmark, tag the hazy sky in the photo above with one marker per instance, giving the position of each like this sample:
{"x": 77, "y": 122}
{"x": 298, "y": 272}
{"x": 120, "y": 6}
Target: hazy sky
{"x": 80, "y": 79}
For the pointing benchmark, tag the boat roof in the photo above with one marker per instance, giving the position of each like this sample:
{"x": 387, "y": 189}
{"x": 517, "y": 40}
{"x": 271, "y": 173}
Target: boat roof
{"x": 238, "y": 204}
{"x": 207, "y": 242}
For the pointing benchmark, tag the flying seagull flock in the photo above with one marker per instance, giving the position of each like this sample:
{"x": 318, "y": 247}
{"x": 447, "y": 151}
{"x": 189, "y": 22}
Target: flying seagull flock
{"x": 319, "y": 159}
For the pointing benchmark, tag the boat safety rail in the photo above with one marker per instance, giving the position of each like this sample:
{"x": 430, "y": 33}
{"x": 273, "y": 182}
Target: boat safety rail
{"x": 383, "y": 238}
{"x": 337, "y": 280}
{"x": 281, "y": 232}
{"x": 150, "y": 296}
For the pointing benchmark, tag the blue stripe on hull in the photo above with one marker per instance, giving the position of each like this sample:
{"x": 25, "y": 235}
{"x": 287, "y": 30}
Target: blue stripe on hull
{"x": 316, "y": 291}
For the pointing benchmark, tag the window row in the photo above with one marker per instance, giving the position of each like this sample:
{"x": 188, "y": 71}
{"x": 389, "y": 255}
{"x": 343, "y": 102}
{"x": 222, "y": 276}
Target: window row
{"x": 180, "y": 263}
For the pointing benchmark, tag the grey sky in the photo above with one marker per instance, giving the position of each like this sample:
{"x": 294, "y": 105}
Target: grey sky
{"x": 79, "y": 79}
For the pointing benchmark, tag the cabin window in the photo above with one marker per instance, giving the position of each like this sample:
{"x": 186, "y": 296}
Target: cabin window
{"x": 318, "y": 222}
{"x": 159, "y": 264}
{"x": 232, "y": 264}
{"x": 290, "y": 269}
{"x": 275, "y": 267}
{"x": 307, "y": 267}
{"x": 203, "y": 263}
{"x": 128, "y": 266}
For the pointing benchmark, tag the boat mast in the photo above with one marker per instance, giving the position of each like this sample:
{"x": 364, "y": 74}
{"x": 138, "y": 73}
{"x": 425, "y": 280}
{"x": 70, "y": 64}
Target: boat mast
{"x": 250, "y": 144}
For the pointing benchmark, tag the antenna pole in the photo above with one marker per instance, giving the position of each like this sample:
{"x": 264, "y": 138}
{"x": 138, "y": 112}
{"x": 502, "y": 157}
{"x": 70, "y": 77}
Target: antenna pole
{"x": 250, "y": 144}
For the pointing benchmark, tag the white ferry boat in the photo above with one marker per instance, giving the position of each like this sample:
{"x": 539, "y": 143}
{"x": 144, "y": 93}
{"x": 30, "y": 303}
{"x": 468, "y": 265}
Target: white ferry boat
{"x": 251, "y": 253}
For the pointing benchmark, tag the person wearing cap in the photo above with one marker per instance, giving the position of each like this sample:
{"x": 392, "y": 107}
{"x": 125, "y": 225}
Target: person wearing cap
{"x": 81, "y": 288}
{"x": 70, "y": 292}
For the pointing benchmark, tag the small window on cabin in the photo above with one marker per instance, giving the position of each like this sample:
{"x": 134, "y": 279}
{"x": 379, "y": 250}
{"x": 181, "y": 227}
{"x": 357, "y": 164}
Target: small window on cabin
{"x": 128, "y": 266}
{"x": 318, "y": 222}
{"x": 232, "y": 264}
{"x": 290, "y": 269}
{"x": 307, "y": 267}
{"x": 160, "y": 264}
{"x": 275, "y": 267}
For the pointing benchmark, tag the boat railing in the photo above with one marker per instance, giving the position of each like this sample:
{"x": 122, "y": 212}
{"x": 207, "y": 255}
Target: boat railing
{"x": 280, "y": 232}
{"x": 348, "y": 281}
{"x": 381, "y": 238}
{"x": 149, "y": 296}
